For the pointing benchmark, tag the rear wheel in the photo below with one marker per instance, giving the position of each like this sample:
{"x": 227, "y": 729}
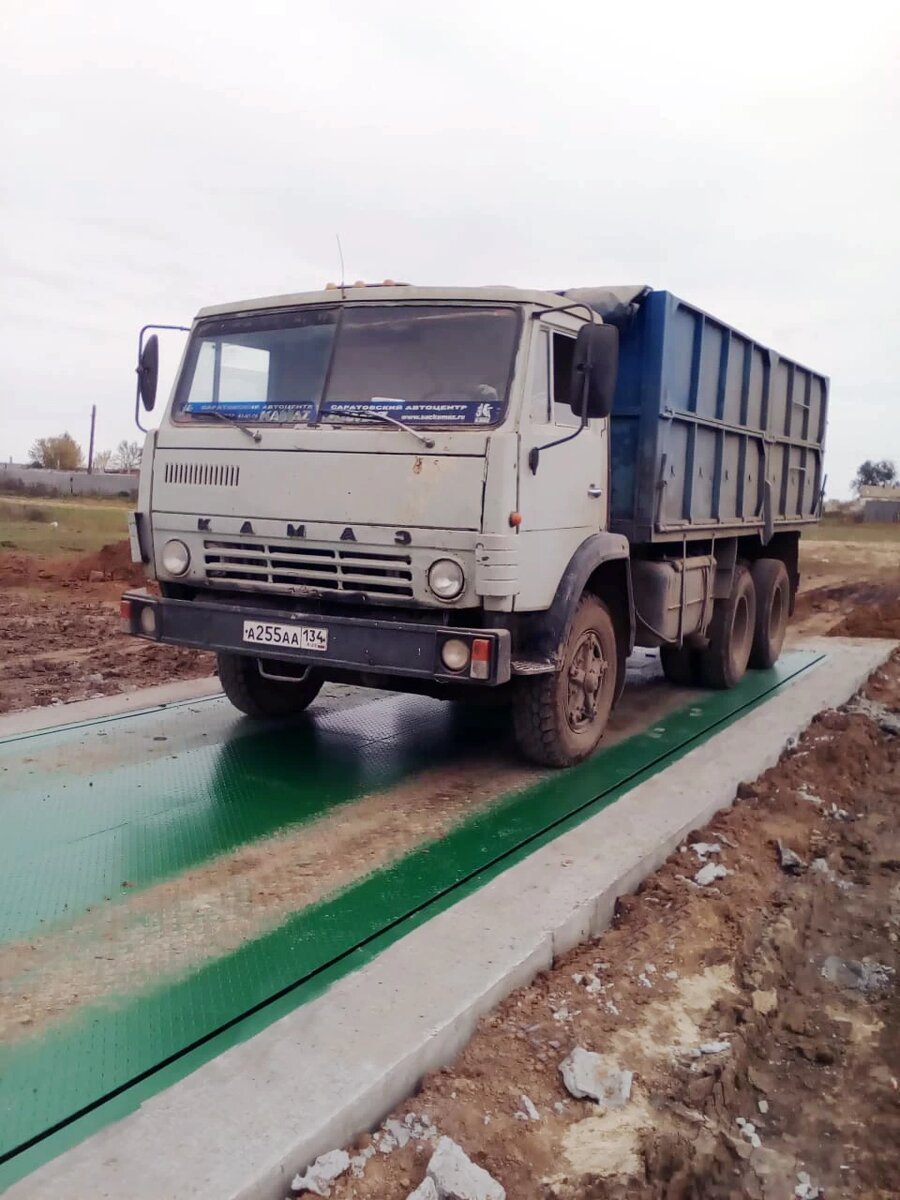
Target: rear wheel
{"x": 681, "y": 665}
{"x": 773, "y": 602}
{"x": 724, "y": 663}
{"x": 560, "y": 718}
{"x": 259, "y": 697}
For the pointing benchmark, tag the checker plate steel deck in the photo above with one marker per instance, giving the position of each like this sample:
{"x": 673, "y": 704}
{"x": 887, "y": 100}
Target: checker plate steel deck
{"x": 142, "y": 798}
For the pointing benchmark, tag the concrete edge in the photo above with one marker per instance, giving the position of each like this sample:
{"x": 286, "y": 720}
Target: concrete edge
{"x": 240, "y": 1126}
{"x": 50, "y": 716}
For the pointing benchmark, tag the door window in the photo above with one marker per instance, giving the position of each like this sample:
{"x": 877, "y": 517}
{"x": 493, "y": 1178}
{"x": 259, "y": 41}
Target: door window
{"x": 537, "y": 402}
{"x": 562, "y": 349}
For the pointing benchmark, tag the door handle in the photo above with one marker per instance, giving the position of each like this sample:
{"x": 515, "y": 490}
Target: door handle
{"x": 595, "y": 491}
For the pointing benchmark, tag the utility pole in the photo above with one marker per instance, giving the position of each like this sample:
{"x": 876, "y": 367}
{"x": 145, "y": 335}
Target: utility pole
{"x": 91, "y": 442}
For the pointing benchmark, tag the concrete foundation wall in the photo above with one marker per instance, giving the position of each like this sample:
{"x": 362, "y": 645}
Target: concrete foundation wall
{"x": 40, "y": 481}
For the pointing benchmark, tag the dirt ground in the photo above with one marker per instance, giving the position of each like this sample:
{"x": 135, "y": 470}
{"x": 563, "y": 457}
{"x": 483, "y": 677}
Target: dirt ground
{"x": 61, "y": 639}
{"x": 59, "y": 631}
{"x": 784, "y": 973}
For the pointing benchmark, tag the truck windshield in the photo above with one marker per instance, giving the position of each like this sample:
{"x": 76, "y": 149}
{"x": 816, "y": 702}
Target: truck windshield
{"x": 424, "y": 365}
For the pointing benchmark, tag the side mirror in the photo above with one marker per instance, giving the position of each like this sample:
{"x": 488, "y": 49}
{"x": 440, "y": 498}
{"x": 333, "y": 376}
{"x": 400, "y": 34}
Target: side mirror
{"x": 595, "y": 366}
{"x": 148, "y": 372}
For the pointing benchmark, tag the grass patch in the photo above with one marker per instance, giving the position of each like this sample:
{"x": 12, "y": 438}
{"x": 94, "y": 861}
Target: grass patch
{"x": 61, "y": 527}
{"x": 837, "y": 527}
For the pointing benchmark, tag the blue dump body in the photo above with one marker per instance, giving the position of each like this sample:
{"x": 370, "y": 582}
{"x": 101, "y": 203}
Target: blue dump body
{"x": 712, "y": 433}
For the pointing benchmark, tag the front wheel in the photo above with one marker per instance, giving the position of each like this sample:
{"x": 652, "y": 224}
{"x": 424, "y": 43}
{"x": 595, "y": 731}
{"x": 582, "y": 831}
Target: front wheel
{"x": 560, "y": 718}
{"x": 259, "y": 697}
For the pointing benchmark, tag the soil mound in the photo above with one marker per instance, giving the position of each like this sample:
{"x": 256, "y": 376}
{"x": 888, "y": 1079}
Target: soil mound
{"x": 113, "y": 561}
{"x": 864, "y": 609}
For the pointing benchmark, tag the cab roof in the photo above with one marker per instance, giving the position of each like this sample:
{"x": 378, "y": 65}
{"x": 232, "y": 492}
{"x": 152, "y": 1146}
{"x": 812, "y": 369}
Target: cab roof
{"x": 599, "y": 299}
{"x": 379, "y": 293}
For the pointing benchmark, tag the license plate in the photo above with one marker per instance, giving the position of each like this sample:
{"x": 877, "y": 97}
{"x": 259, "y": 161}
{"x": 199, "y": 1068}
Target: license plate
{"x": 294, "y": 637}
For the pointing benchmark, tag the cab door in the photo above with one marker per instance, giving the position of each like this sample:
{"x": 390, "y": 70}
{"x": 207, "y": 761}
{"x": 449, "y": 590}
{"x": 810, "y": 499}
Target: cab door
{"x": 566, "y": 499}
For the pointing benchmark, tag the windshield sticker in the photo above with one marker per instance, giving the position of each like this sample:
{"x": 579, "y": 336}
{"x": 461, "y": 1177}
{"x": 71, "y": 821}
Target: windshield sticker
{"x": 420, "y": 412}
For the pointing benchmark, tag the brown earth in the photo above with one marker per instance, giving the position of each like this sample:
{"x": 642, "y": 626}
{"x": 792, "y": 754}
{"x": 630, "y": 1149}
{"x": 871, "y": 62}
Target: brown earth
{"x": 849, "y": 589}
{"x": 796, "y": 972}
{"x": 61, "y": 639}
{"x": 866, "y": 608}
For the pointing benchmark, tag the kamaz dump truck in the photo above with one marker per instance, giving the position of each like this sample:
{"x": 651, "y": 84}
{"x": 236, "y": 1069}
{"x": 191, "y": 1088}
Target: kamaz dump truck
{"x": 468, "y": 491}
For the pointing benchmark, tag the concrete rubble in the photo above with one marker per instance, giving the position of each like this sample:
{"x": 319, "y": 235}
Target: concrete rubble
{"x": 864, "y": 976}
{"x": 887, "y": 721}
{"x": 702, "y": 849}
{"x": 425, "y": 1191}
{"x": 810, "y": 797}
{"x": 790, "y": 861}
{"x": 590, "y": 982}
{"x": 748, "y": 1130}
{"x": 358, "y": 1161}
{"x": 456, "y": 1177}
{"x": 587, "y": 1075}
{"x": 709, "y": 874}
{"x": 319, "y": 1177}
{"x": 820, "y": 866}
{"x": 528, "y": 1111}
{"x": 806, "y": 1189}
{"x": 719, "y": 1047}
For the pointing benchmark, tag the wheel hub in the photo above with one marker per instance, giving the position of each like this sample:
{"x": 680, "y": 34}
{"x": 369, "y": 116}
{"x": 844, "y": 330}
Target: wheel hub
{"x": 587, "y": 671}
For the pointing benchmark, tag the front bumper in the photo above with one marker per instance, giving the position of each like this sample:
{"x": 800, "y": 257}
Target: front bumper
{"x": 379, "y": 647}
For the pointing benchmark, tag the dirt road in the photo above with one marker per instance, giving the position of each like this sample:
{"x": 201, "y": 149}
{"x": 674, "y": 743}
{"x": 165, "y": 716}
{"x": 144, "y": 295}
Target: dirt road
{"x": 61, "y": 639}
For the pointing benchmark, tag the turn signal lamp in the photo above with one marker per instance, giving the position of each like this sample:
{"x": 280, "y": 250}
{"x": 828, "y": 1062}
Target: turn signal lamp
{"x": 481, "y": 659}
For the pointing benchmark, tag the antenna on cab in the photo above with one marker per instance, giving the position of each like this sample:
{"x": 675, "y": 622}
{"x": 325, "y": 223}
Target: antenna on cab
{"x": 337, "y": 237}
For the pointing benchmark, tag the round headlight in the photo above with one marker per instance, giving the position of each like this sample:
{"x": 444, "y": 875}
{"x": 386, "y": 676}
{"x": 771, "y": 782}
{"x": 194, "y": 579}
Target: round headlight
{"x": 446, "y": 578}
{"x": 455, "y": 654}
{"x": 176, "y": 558}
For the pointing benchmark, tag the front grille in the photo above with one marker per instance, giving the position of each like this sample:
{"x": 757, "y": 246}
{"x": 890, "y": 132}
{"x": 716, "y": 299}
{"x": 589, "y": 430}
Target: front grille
{"x": 287, "y": 568}
{"x": 202, "y": 474}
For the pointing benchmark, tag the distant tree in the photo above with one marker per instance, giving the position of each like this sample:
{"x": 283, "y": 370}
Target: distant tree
{"x": 61, "y": 453}
{"x": 127, "y": 456}
{"x": 102, "y": 459}
{"x": 874, "y": 474}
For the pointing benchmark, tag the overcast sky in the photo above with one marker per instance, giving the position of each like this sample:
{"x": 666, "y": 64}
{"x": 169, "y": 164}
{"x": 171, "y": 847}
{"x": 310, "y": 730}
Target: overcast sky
{"x": 160, "y": 157}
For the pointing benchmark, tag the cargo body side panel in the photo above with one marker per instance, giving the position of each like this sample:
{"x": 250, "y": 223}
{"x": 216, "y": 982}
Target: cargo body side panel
{"x": 712, "y": 433}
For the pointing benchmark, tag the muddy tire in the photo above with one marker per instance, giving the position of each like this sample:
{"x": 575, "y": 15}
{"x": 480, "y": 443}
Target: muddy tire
{"x": 724, "y": 663}
{"x": 559, "y": 719}
{"x": 681, "y": 665}
{"x": 261, "y": 698}
{"x": 773, "y": 602}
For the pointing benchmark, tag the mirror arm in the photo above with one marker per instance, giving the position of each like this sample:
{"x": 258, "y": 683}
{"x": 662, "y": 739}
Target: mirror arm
{"x": 137, "y": 398}
{"x": 534, "y": 454}
{"x": 549, "y": 312}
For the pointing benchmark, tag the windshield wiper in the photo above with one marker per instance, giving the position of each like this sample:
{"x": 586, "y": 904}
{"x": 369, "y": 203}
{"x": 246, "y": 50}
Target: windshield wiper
{"x": 365, "y": 415}
{"x": 251, "y": 433}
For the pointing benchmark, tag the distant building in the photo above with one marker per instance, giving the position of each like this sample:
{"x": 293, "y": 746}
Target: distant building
{"x": 882, "y": 503}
